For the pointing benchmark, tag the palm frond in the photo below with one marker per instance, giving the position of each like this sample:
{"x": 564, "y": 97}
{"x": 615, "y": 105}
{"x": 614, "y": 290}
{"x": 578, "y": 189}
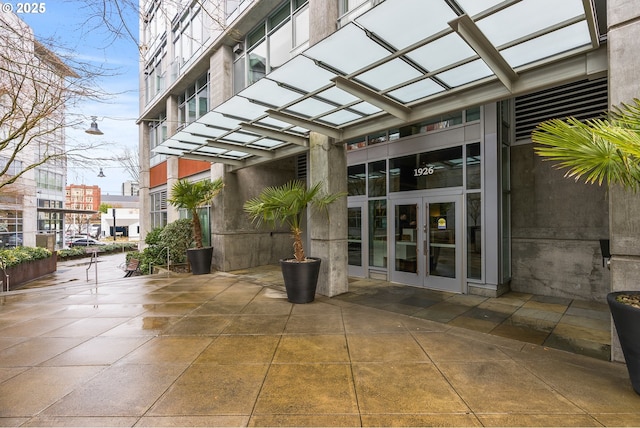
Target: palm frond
{"x": 598, "y": 150}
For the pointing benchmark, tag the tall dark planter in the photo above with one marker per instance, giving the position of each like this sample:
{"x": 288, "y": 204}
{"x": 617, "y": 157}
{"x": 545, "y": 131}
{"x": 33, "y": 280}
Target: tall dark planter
{"x": 300, "y": 279}
{"x": 627, "y": 321}
{"x": 200, "y": 260}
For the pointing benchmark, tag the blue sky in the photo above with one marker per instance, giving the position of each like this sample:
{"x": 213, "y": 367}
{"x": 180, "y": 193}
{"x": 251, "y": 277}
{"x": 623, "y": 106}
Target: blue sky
{"x": 69, "y": 23}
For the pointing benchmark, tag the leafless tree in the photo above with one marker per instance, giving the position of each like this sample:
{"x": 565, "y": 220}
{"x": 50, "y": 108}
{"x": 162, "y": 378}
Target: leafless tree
{"x": 36, "y": 88}
{"x": 129, "y": 160}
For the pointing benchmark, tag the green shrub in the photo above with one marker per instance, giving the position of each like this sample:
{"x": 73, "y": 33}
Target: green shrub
{"x": 153, "y": 237}
{"x": 71, "y": 252}
{"x": 177, "y": 237}
{"x": 15, "y": 256}
{"x": 85, "y": 251}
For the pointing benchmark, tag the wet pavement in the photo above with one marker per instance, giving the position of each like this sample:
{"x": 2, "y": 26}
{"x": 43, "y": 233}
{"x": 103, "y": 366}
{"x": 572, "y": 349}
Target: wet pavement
{"x": 228, "y": 349}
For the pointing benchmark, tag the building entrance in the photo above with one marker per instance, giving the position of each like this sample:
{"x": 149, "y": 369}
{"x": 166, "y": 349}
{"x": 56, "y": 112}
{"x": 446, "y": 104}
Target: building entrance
{"x": 426, "y": 248}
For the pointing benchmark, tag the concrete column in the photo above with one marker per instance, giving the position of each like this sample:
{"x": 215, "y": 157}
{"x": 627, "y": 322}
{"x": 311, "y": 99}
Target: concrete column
{"x": 328, "y": 164}
{"x": 144, "y": 200}
{"x": 323, "y": 19}
{"x": 328, "y": 233}
{"x": 623, "y": 30}
{"x": 172, "y": 161}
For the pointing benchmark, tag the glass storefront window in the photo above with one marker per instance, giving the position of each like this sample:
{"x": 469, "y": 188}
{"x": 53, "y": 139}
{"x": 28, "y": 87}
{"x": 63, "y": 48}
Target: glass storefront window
{"x": 474, "y": 236}
{"x": 473, "y": 166}
{"x": 356, "y": 183}
{"x": 472, "y": 114}
{"x": 429, "y": 170}
{"x": 378, "y": 233}
{"x": 357, "y": 143}
{"x": 354, "y": 236}
{"x": 433, "y": 124}
{"x": 379, "y": 137}
{"x": 377, "y": 178}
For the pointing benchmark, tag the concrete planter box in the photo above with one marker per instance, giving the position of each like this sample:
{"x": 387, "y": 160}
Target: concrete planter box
{"x": 28, "y": 271}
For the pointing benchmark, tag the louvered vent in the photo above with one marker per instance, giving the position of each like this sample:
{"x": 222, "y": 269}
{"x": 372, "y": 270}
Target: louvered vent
{"x": 163, "y": 200}
{"x": 582, "y": 100}
{"x": 301, "y": 167}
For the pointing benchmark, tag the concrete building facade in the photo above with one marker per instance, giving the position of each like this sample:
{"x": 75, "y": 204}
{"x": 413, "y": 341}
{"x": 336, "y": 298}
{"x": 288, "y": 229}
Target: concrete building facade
{"x": 33, "y": 94}
{"x": 422, "y": 116}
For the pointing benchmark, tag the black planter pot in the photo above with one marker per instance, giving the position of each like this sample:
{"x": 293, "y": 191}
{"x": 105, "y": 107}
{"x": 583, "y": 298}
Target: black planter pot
{"x": 627, "y": 319}
{"x": 300, "y": 279}
{"x": 200, "y": 260}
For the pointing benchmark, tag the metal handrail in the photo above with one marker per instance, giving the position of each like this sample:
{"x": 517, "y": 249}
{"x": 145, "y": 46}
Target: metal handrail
{"x": 94, "y": 257}
{"x": 168, "y": 261}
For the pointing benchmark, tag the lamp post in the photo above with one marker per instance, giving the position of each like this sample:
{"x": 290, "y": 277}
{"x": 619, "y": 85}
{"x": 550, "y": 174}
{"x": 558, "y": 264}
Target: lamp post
{"x": 114, "y": 223}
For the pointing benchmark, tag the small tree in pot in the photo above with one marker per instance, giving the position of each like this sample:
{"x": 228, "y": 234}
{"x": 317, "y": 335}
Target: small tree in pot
{"x": 603, "y": 150}
{"x": 277, "y": 205}
{"x": 191, "y": 196}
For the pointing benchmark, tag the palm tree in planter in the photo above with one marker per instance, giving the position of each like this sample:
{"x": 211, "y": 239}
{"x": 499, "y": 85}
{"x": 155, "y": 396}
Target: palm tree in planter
{"x": 191, "y": 196}
{"x": 603, "y": 150}
{"x": 285, "y": 204}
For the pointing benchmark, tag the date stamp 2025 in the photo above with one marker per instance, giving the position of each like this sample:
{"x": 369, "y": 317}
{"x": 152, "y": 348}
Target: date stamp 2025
{"x": 24, "y": 8}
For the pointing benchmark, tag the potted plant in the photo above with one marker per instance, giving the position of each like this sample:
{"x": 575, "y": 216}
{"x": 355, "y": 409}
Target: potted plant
{"x": 191, "y": 196}
{"x": 603, "y": 150}
{"x": 285, "y": 204}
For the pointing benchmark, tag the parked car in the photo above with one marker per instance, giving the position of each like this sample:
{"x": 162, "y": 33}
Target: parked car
{"x": 13, "y": 241}
{"x": 10, "y": 239}
{"x": 70, "y": 238}
{"x": 85, "y": 242}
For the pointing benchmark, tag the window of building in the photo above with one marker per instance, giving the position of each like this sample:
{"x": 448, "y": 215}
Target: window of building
{"x": 428, "y": 170}
{"x": 378, "y": 233}
{"x": 10, "y": 228}
{"x": 205, "y": 223}
{"x": 189, "y": 33}
{"x": 157, "y": 134}
{"x": 356, "y": 180}
{"x": 377, "y": 178}
{"x": 473, "y": 166}
{"x": 272, "y": 43}
{"x": 193, "y": 102}
{"x": 49, "y": 180}
{"x": 351, "y": 9}
{"x": 156, "y": 73}
{"x": 158, "y": 209}
{"x": 14, "y": 168}
{"x": 426, "y": 126}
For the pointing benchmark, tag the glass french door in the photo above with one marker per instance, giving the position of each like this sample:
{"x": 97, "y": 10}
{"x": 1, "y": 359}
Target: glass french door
{"x": 356, "y": 248}
{"x": 427, "y": 243}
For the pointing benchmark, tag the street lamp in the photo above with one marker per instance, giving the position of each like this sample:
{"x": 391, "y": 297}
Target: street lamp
{"x": 93, "y": 129}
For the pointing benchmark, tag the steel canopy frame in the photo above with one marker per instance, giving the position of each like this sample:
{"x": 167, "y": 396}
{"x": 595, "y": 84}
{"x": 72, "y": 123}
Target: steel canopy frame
{"x": 367, "y": 76}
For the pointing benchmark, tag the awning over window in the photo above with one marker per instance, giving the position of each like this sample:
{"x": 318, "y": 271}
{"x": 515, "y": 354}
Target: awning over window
{"x": 402, "y": 61}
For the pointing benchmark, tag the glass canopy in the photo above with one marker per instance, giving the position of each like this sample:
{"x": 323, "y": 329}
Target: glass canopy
{"x": 391, "y": 63}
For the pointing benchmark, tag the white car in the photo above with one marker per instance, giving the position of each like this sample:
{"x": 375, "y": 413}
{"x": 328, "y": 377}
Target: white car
{"x": 85, "y": 242}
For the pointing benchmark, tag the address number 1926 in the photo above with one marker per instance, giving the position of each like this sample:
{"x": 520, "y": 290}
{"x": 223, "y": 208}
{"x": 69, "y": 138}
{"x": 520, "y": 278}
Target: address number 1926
{"x": 426, "y": 170}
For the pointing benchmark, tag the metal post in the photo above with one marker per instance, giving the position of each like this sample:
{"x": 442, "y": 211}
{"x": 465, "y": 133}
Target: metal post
{"x": 114, "y": 224}
{"x": 94, "y": 259}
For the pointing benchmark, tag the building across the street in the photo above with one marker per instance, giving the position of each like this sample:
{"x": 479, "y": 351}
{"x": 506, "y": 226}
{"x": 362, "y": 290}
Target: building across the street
{"x": 32, "y": 78}
{"x": 124, "y": 213}
{"x": 421, "y": 111}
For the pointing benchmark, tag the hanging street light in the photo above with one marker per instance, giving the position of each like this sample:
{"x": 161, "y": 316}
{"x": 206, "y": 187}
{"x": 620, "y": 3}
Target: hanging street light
{"x": 93, "y": 129}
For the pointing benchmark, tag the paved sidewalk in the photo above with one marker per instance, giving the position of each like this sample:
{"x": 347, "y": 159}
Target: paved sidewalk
{"x": 229, "y": 350}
